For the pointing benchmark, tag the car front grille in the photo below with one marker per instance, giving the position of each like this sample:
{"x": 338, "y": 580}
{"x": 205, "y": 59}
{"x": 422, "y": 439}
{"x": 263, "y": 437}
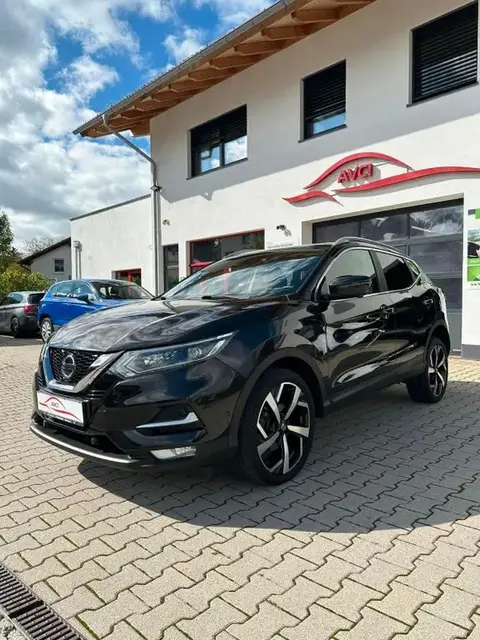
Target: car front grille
{"x": 79, "y": 364}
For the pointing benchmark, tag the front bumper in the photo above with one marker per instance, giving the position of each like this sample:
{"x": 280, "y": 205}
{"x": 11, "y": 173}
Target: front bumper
{"x": 168, "y": 419}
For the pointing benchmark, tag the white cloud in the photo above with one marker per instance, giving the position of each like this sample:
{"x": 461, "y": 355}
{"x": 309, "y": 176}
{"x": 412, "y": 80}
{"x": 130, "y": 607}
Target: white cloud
{"x": 234, "y": 12}
{"x": 180, "y": 47}
{"x": 46, "y": 174}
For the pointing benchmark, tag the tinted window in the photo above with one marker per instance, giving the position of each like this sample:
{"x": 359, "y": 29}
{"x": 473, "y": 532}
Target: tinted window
{"x": 12, "y": 298}
{"x": 63, "y": 289}
{"x": 439, "y": 257}
{"x": 335, "y": 231}
{"x": 357, "y": 262}
{"x": 385, "y": 228}
{"x": 396, "y": 272}
{"x": 34, "y": 298}
{"x": 81, "y": 289}
{"x": 120, "y": 291}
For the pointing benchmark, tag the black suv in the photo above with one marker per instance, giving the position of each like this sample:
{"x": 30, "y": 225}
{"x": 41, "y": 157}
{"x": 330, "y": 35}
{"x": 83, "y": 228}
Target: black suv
{"x": 242, "y": 357}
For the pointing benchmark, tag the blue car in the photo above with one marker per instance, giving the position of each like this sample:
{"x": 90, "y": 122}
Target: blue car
{"x": 67, "y": 300}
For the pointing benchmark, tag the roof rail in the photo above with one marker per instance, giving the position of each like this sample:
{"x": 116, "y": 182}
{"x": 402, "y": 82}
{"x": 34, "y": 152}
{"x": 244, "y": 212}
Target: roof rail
{"x": 365, "y": 242}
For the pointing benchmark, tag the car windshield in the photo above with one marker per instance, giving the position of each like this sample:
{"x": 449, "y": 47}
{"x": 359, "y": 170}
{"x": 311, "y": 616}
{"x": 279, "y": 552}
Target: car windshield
{"x": 120, "y": 291}
{"x": 251, "y": 276}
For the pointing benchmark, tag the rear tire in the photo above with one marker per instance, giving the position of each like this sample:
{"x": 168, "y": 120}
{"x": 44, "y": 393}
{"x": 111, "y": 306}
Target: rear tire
{"x": 430, "y": 386}
{"x": 46, "y": 329}
{"x": 277, "y": 428}
{"x": 15, "y": 329}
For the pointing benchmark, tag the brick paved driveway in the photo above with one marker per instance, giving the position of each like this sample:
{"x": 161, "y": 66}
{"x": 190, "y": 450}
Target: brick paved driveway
{"x": 377, "y": 539}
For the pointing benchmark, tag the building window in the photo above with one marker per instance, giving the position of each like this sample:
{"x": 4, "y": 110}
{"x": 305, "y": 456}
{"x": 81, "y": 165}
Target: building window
{"x": 445, "y": 54}
{"x": 170, "y": 266}
{"x": 325, "y": 100}
{"x": 130, "y": 275}
{"x": 219, "y": 142}
{"x": 204, "y": 252}
{"x": 59, "y": 265}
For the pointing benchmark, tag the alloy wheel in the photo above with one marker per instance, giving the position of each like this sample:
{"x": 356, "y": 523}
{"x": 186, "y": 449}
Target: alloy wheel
{"x": 437, "y": 370}
{"x": 15, "y": 326}
{"x": 283, "y": 426}
{"x": 46, "y": 330}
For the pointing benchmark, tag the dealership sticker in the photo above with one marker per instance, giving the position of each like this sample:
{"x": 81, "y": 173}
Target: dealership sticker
{"x": 63, "y": 408}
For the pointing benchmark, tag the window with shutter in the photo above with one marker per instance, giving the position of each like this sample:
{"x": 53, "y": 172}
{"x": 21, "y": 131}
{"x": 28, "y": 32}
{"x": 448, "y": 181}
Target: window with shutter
{"x": 324, "y": 100}
{"x": 219, "y": 142}
{"x": 445, "y": 54}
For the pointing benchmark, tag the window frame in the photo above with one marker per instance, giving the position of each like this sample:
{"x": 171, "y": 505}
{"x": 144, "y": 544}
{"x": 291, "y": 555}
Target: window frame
{"x": 193, "y": 150}
{"x": 317, "y": 290}
{"x": 166, "y": 266}
{"x": 305, "y": 120}
{"x": 418, "y": 99}
{"x": 54, "y": 265}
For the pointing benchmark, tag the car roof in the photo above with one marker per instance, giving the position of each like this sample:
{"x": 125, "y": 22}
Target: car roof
{"x": 104, "y": 281}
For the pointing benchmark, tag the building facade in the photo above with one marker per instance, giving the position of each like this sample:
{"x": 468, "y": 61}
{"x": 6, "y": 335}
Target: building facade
{"x": 354, "y": 130}
{"x": 54, "y": 262}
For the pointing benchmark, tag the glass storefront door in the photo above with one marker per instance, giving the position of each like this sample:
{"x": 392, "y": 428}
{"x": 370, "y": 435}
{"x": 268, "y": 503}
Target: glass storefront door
{"x": 204, "y": 252}
{"x": 432, "y": 235}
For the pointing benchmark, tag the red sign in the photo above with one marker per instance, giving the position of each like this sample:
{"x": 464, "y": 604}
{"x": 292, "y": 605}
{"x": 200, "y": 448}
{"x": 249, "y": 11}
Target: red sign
{"x": 360, "y": 171}
{"x": 350, "y": 174}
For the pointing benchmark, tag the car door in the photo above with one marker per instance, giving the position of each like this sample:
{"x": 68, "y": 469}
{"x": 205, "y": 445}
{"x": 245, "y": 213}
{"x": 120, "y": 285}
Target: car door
{"x": 360, "y": 332}
{"x": 4, "y": 302}
{"x": 58, "y": 306}
{"x": 413, "y": 303}
{"x": 10, "y": 308}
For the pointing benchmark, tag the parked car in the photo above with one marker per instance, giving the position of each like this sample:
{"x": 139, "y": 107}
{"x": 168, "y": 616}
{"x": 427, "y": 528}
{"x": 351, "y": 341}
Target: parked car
{"x": 242, "y": 358}
{"x": 18, "y": 312}
{"x": 69, "y": 299}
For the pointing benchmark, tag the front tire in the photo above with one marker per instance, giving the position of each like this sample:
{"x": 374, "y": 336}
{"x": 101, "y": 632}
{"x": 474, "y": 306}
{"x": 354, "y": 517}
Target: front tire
{"x": 277, "y": 428}
{"x": 46, "y": 329}
{"x": 430, "y": 386}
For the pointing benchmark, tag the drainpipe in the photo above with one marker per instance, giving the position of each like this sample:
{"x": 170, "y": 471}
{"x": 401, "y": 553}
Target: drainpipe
{"x": 156, "y": 191}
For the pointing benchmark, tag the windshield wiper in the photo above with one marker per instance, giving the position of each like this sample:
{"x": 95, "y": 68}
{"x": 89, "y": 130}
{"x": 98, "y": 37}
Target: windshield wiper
{"x": 219, "y": 298}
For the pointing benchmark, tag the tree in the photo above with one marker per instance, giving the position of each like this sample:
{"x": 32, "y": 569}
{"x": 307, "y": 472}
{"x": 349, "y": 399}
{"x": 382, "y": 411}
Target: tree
{"x": 37, "y": 244}
{"x": 16, "y": 278}
{"x": 8, "y": 253}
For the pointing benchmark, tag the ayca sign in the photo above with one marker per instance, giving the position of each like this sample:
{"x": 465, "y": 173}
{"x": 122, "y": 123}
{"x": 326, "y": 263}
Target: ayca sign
{"x": 357, "y": 173}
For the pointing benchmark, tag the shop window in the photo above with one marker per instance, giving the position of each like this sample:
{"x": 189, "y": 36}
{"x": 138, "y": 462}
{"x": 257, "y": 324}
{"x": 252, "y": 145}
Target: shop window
{"x": 438, "y": 257}
{"x": 220, "y": 142}
{"x": 334, "y": 231}
{"x": 442, "y": 221}
{"x": 445, "y": 54}
{"x": 170, "y": 266}
{"x": 385, "y": 228}
{"x": 452, "y": 288}
{"x": 59, "y": 265}
{"x": 130, "y": 275}
{"x": 204, "y": 252}
{"x": 397, "y": 274}
{"x": 324, "y": 100}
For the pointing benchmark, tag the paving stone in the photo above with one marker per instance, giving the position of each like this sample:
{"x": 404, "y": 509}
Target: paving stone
{"x": 236, "y": 546}
{"x": 118, "y": 559}
{"x": 429, "y": 627}
{"x": 75, "y": 559}
{"x": 37, "y": 556}
{"x": 201, "y": 594}
{"x": 448, "y": 556}
{"x": 287, "y": 571}
{"x": 427, "y": 577}
{"x": 321, "y": 624}
{"x": 454, "y": 606}
{"x": 424, "y": 537}
{"x": 107, "y": 589}
{"x": 263, "y": 625}
{"x": 298, "y": 599}
{"x": 211, "y": 622}
{"x": 379, "y": 575}
{"x": 402, "y": 554}
{"x": 103, "y": 619}
{"x": 65, "y": 585}
{"x": 359, "y": 553}
{"x": 249, "y": 597}
{"x": 318, "y": 550}
{"x": 373, "y": 626}
{"x": 402, "y": 602}
{"x": 464, "y": 537}
{"x": 332, "y": 573}
{"x": 153, "y": 623}
{"x": 123, "y": 631}
{"x": 156, "y": 565}
{"x": 350, "y": 600}
{"x": 80, "y": 600}
{"x": 51, "y": 567}
{"x": 51, "y": 533}
{"x": 241, "y": 570}
{"x": 198, "y": 567}
{"x": 467, "y": 580}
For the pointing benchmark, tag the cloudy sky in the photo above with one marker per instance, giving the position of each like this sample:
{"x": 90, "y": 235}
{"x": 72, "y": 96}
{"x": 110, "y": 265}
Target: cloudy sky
{"x": 63, "y": 61}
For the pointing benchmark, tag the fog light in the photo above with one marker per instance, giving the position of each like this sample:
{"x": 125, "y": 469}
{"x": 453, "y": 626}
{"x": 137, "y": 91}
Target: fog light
{"x": 170, "y": 454}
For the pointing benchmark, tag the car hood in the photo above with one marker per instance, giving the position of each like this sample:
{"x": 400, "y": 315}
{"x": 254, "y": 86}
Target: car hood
{"x": 162, "y": 322}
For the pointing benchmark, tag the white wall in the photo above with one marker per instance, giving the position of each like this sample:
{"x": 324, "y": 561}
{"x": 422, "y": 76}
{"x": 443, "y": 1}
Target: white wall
{"x": 45, "y": 264}
{"x": 376, "y": 44}
{"x": 116, "y": 239}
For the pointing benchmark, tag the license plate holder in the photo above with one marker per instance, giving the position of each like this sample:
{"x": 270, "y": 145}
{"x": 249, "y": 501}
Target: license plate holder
{"x": 62, "y": 408}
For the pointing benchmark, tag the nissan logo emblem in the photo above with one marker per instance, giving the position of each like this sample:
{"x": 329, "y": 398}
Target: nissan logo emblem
{"x": 68, "y": 367}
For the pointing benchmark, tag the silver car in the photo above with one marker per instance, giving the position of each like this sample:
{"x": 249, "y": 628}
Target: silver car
{"x": 18, "y": 312}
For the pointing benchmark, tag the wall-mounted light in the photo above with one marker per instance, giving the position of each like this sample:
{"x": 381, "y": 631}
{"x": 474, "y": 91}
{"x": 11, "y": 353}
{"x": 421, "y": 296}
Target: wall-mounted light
{"x": 166, "y": 222}
{"x": 281, "y": 227}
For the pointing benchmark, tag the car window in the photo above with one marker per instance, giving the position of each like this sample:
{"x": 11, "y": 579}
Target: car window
{"x": 34, "y": 298}
{"x": 13, "y": 298}
{"x": 356, "y": 262}
{"x": 120, "y": 291}
{"x": 63, "y": 289}
{"x": 396, "y": 272}
{"x": 81, "y": 289}
{"x": 415, "y": 269}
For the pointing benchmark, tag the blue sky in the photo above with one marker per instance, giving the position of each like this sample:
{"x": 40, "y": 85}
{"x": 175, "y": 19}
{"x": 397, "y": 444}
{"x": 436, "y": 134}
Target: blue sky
{"x": 62, "y": 62}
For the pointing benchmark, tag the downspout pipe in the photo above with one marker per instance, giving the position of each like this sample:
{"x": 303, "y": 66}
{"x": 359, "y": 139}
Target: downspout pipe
{"x": 156, "y": 218}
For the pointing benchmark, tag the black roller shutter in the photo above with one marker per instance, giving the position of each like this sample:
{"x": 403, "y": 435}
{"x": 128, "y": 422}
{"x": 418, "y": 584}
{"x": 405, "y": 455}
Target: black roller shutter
{"x": 230, "y": 126}
{"x": 324, "y": 95}
{"x": 445, "y": 53}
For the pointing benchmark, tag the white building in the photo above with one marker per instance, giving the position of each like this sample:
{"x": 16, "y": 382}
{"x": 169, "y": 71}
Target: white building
{"x": 54, "y": 262}
{"x": 377, "y": 102}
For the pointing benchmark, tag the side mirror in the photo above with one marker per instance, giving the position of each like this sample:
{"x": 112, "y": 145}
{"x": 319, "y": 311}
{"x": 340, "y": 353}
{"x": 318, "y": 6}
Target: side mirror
{"x": 350, "y": 287}
{"x": 84, "y": 297}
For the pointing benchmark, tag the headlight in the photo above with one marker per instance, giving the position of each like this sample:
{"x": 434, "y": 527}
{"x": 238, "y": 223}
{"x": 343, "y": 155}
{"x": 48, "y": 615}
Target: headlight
{"x": 136, "y": 363}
